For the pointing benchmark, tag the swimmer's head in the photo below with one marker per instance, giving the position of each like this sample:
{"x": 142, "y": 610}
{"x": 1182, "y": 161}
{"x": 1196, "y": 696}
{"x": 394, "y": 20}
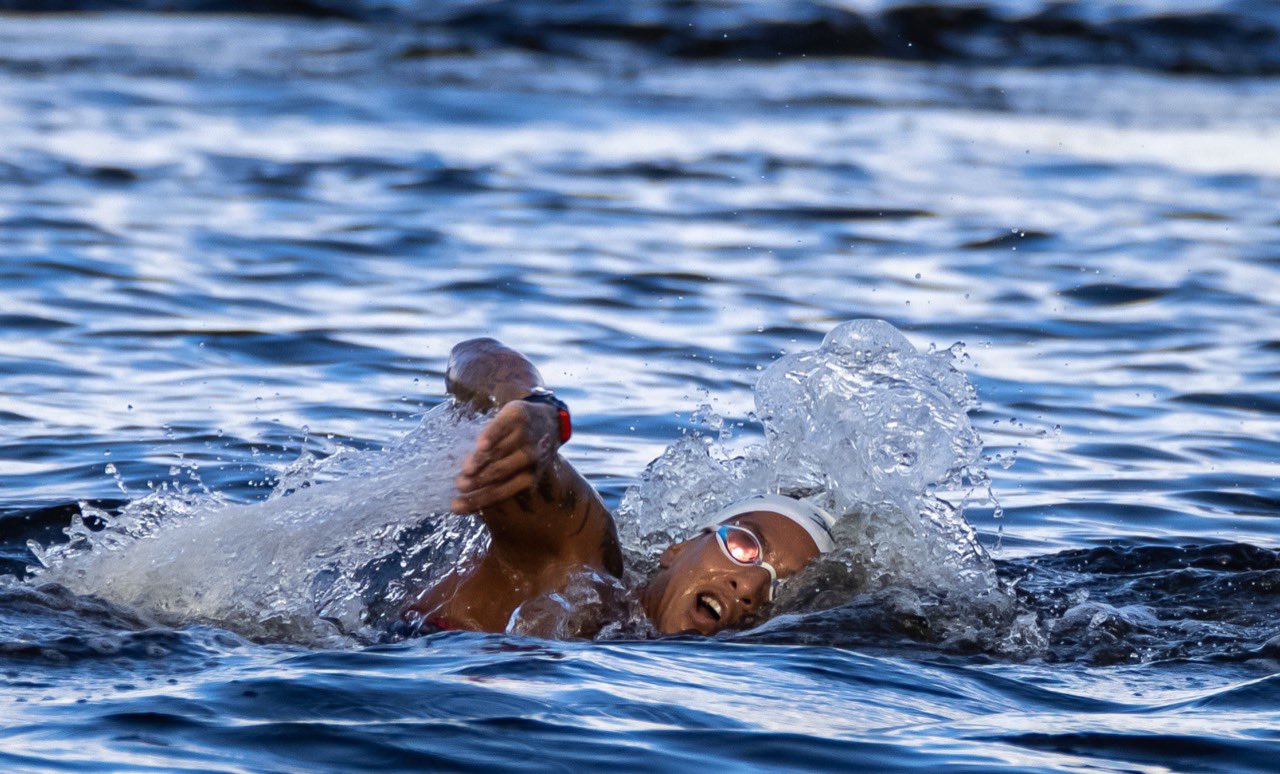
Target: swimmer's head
{"x": 722, "y": 577}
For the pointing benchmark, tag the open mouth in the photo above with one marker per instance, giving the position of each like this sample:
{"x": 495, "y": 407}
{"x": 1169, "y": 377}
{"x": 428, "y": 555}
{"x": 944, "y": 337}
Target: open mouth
{"x": 710, "y": 606}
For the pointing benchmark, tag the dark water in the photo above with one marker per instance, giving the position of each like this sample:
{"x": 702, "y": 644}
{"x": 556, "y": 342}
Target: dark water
{"x": 225, "y": 239}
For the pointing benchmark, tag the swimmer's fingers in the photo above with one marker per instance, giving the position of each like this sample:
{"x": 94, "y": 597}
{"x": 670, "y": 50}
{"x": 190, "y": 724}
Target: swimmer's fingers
{"x": 519, "y": 427}
{"x": 494, "y": 435}
{"x": 508, "y": 430}
{"x": 480, "y": 462}
{"x": 497, "y": 470}
{"x": 479, "y": 499}
{"x": 509, "y": 456}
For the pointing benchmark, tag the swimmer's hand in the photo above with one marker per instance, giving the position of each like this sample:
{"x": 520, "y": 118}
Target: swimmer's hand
{"x": 511, "y": 454}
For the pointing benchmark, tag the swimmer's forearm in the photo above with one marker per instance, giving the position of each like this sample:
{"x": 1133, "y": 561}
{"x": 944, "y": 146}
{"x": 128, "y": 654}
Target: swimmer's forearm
{"x": 487, "y": 374}
{"x": 560, "y": 518}
{"x": 538, "y": 509}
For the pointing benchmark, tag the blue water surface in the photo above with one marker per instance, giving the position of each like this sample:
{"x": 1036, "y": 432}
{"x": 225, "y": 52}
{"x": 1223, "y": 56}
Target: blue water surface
{"x": 225, "y": 239}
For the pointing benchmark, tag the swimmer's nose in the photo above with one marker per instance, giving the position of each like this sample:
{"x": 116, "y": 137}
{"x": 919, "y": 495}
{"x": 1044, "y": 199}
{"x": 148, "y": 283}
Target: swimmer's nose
{"x": 748, "y": 592}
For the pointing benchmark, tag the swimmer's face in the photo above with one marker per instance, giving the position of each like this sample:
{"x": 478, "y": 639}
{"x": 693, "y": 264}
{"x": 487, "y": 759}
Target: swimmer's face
{"x": 699, "y": 589}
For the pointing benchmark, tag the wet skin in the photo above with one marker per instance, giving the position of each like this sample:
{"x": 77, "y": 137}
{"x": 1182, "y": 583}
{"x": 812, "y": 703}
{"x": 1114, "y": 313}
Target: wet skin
{"x": 547, "y": 524}
{"x": 545, "y": 521}
{"x": 699, "y": 589}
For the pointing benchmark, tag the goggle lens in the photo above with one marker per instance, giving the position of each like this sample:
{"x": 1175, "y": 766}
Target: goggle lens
{"x": 743, "y": 547}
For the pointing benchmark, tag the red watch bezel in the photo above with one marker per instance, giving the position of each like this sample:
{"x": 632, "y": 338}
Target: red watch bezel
{"x": 566, "y": 426}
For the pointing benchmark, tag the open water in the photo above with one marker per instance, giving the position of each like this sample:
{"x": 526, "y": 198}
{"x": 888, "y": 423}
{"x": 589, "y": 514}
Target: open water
{"x": 232, "y": 243}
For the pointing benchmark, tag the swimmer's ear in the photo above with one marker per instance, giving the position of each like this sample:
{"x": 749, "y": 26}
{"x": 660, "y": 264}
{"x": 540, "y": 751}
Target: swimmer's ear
{"x": 668, "y": 557}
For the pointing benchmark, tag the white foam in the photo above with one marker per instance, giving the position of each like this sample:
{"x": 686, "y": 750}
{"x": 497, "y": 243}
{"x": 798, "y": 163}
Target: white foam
{"x": 872, "y": 429}
{"x": 866, "y": 426}
{"x": 336, "y": 537}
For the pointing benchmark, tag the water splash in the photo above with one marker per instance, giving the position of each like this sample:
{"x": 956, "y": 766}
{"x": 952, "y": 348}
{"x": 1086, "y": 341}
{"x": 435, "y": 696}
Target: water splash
{"x": 338, "y": 543}
{"x": 865, "y": 426}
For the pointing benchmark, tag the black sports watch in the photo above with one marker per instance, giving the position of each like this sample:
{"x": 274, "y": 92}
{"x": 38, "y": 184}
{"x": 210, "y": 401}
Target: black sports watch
{"x": 541, "y": 395}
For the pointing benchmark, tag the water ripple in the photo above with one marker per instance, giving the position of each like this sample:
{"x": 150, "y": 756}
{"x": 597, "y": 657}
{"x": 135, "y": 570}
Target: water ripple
{"x": 224, "y": 241}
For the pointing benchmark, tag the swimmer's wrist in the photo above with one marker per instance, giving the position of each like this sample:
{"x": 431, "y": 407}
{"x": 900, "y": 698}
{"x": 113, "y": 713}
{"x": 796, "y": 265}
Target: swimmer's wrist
{"x": 564, "y": 419}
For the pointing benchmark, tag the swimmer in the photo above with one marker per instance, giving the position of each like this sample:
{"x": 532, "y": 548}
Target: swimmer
{"x": 547, "y": 524}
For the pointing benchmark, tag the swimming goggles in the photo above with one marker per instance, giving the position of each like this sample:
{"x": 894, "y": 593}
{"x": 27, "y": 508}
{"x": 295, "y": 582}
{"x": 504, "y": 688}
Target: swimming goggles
{"x": 741, "y": 546}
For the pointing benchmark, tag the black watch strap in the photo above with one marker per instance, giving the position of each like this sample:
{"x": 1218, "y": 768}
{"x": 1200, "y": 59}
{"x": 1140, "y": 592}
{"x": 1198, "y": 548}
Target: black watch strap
{"x": 549, "y": 398}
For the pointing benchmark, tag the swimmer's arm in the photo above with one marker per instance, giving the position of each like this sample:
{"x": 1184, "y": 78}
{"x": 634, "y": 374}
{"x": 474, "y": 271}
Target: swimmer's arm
{"x": 537, "y": 507}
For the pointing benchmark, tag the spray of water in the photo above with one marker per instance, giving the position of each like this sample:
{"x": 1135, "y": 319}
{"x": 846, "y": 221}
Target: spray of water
{"x": 865, "y": 426}
{"x": 340, "y": 541}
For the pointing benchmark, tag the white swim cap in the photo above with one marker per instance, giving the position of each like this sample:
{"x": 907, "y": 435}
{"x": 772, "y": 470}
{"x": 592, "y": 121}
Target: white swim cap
{"x": 817, "y": 522}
